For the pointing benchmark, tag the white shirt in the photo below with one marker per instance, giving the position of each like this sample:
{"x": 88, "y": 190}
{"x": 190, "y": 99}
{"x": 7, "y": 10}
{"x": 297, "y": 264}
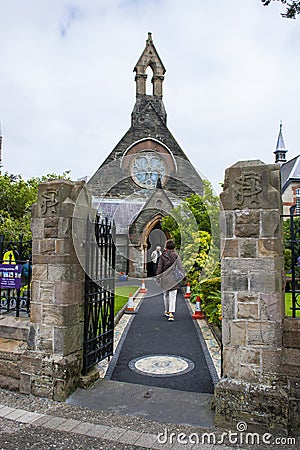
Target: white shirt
{"x": 155, "y": 255}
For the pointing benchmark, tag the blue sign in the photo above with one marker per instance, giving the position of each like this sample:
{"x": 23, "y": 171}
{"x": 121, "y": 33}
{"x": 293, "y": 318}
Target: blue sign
{"x": 10, "y": 276}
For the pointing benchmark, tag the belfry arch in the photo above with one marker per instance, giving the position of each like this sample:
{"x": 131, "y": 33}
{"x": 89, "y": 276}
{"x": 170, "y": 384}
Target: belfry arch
{"x": 149, "y": 81}
{"x": 149, "y": 58}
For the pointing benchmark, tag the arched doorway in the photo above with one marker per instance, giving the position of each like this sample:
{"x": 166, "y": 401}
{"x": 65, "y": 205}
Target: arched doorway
{"x": 155, "y": 237}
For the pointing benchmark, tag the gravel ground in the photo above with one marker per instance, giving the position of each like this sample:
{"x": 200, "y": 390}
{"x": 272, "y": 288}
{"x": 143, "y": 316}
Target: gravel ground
{"x": 15, "y": 436}
{"x": 18, "y": 436}
{"x": 60, "y": 409}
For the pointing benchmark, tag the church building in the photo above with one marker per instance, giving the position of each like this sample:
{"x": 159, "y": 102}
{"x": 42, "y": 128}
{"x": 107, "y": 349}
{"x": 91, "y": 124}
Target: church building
{"x": 290, "y": 176}
{"x": 146, "y": 175}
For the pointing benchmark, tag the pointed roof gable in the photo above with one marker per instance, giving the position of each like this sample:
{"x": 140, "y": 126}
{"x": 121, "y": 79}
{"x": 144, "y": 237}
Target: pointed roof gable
{"x": 158, "y": 200}
{"x": 290, "y": 171}
{"x": 156, "y": 207}
{"x": 151, "y": 58}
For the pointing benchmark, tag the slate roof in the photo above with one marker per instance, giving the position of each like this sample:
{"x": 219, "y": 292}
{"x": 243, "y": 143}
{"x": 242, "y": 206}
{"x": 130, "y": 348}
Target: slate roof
{"x": 122, "y": 212}
{"x": 125, "y": 212}
{"x": 290, "y": 171}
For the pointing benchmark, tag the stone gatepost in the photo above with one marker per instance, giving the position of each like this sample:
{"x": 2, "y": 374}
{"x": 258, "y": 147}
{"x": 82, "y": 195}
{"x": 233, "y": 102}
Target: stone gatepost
{"x": 52, "y": 365}
{"x": 252, "y": 388}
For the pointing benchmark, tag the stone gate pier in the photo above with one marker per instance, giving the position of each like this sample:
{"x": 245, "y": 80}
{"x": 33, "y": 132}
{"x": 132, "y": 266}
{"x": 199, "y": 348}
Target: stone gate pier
{"x": 51, "y": 365}
{"x": 255, "y": 387}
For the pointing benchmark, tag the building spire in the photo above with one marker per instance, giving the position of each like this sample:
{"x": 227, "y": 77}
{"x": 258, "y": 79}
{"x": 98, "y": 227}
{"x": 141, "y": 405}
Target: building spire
{"x": 280, "y": 152}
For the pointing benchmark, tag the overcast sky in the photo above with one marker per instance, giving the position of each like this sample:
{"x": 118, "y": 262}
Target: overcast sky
{"x": 67, "y": 85}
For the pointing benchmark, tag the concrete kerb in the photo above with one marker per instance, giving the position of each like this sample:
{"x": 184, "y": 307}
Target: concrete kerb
{"x": 208, "y": 343}
{"x": 123, "y": 309}
{"x": 62, "y": 424}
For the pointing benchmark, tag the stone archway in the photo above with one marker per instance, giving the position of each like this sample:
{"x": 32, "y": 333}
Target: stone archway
{"x": 154, "y": 235}
{"x": 144, "y": 234}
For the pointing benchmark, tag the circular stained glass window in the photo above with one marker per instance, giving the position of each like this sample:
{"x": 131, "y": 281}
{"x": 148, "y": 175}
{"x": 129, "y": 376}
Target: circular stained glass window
{"x": 146, "y": 168}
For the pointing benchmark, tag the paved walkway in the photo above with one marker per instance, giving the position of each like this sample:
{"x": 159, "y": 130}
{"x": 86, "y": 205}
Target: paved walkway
{"x": 161, "y": 370}
{"x": 165, "y": 354}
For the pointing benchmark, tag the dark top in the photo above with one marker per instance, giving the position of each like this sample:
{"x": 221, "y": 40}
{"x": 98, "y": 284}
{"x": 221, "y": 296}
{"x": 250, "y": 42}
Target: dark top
{"x": 165, "y": 270}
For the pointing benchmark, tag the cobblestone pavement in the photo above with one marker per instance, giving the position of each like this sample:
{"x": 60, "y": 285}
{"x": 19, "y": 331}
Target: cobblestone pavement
{"x": 27, "y": 422}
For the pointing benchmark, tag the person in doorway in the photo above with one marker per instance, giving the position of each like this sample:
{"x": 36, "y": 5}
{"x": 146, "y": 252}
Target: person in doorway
{"x": 155, "y": 255}
{"x": 169, "y": 265}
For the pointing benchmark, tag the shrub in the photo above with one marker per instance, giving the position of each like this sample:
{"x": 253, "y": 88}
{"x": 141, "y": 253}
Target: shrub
{"x": 210, "y": 294}
{"x": 212, "y": 308}
{"x": 208, "y": 286}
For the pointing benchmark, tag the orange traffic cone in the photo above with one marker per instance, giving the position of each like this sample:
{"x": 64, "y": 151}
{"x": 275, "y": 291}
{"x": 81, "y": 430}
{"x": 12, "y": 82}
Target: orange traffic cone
{"x": 143, "y": 290}
{"x": 198, "y": 314}
{"x": 188, "y": 291}
{"x": 130, "y": 307}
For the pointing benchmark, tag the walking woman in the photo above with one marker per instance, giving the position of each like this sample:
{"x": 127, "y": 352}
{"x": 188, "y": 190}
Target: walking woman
{"x": 169, "y": 274}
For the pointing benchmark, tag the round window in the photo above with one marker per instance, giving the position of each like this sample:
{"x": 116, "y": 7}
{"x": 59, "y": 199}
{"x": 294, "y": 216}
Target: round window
{"x": 146, "y": 168}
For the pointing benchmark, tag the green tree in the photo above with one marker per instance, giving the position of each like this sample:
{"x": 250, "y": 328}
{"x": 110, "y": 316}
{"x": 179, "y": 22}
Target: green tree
{"x": 194, "y": 226}
{"x": 16, "y": 197}
{"x": 188, "y": 217}
{"x": 292, "y": 8}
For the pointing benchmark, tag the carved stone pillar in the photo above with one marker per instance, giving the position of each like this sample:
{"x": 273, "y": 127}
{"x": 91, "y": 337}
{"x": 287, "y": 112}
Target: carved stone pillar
{"x": 51, "y": 368}
{"x": 141, "y": 84}
{"x": 157, "y": 85}
{"x": 253, "y": 389}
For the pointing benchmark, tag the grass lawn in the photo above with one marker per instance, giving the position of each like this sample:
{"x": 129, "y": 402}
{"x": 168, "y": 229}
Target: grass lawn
{"x": 288, "y": 304}
{"x": 122, "y": 295}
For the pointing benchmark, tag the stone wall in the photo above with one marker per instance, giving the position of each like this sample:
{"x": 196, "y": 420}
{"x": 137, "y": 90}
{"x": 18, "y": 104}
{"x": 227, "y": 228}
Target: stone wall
{"x": 261, "y": 350}
{"x": 43, "y": 354}
{"x": 14, "y": 333}
{"x": 253, "y": 388}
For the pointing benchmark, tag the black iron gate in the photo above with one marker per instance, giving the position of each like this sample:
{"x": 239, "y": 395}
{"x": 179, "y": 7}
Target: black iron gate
{"x": 292, "y": 243}
{"x": 99, "y": 292}
{"x": 15, "y": 276}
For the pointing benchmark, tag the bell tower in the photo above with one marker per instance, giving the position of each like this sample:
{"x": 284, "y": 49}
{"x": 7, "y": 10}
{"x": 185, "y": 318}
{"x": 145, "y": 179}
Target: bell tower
{"x": 149, "y": 58}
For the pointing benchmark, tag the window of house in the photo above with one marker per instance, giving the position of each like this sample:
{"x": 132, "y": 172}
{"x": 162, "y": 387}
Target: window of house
{"x": 298, "y": 201}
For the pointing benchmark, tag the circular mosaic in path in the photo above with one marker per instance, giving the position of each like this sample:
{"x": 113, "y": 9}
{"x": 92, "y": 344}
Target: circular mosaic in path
{"x": 161, "y": 365}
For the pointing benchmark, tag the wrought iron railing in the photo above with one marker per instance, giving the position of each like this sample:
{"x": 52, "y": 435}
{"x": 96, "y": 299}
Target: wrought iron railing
{"x": 293, "y": 275}
{"x": 15, "y": 276}
{"x": 99, "y": 292}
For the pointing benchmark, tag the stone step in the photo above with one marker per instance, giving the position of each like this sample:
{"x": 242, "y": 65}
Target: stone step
{"x": 14, "y": 328}
{"x": 12, "y": 384}
{"x": 10, "y": 354}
